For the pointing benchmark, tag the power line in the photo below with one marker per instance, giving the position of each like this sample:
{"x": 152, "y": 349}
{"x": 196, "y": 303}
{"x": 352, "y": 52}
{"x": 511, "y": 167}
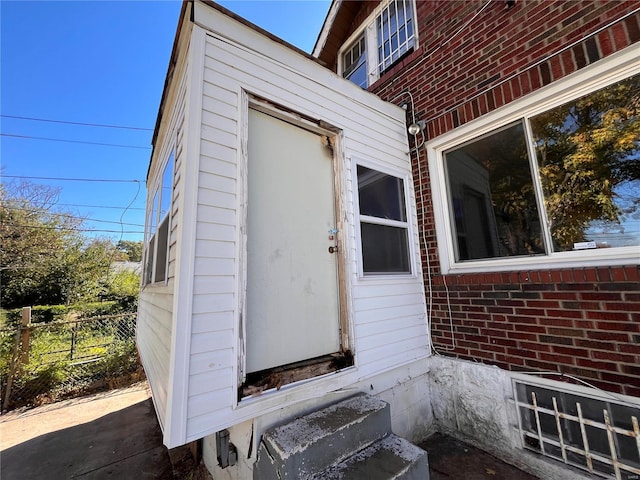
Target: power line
{"x": 44, "y": 227}
{"x": 72, "y": 141}
{"x": 77, "y": 123}
{"x": 68, "y": 179}
{"x": 96, "y": 206}
{"x": 75, "y": 217}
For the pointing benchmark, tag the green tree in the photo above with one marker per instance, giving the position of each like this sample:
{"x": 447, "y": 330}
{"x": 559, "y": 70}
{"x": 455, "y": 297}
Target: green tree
{"x": 44, "y": 257}
{"x": 132, "y": 250}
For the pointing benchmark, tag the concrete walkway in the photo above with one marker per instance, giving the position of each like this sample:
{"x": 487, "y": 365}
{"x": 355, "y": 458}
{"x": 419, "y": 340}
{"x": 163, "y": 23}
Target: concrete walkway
{"x": 108, "y": 435}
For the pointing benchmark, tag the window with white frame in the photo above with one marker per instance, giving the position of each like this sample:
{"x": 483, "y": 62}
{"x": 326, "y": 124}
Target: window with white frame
{"x": 158, "y": 225}
{"x": 384, "y": 230}
{"x": 561, "y": 183}
{"x": 385, "y": 37}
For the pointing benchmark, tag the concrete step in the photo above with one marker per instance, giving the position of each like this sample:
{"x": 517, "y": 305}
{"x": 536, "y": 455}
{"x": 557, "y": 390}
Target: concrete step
{"x": 312, "y": 443}
{"x": 390, "y": 458}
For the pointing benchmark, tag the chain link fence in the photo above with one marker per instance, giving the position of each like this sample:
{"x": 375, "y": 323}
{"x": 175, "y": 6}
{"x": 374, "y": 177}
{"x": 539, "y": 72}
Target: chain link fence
{"x": 45, "y": 362}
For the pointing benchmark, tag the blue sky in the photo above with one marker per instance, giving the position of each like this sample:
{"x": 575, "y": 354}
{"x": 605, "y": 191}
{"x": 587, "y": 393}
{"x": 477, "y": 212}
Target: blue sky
{"x": 102, "y": 63}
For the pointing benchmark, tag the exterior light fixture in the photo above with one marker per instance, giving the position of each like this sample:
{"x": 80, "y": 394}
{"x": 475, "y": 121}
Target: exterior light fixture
{"x": 415, "y": 128}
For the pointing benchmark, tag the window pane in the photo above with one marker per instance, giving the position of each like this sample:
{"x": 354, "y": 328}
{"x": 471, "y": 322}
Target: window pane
{"x": 161, "y": 253}
{"x": 384, "y": 249}
{"x": 492, "y": 197}
{"x": 154, "y": 213}
{"x": 167, "y": 188}
{"x": 355, "y": 63}
{"x": 381, "y": 195}
{"x": 588, "y": 153}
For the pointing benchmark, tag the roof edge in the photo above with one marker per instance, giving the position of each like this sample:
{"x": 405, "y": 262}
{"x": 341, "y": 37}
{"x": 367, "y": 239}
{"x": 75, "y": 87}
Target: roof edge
{"x": 326, "y": 27}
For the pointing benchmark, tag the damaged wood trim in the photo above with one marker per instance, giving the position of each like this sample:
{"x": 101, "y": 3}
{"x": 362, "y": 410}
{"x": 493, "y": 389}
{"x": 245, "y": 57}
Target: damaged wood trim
{"x": 275, "y": 378}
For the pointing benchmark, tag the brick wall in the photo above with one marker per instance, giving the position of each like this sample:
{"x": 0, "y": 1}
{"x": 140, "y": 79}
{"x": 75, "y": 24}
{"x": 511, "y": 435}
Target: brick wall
{"x": 583, "y": 322}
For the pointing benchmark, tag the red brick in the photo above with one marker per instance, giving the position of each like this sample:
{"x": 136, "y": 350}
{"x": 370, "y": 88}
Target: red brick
{"x": 613, "y": 316}
{"x": 614, "y": 357}
{"x": 619, "y": 326}
{"x": 626, "y": 306}
{"x": 585, "y": 362}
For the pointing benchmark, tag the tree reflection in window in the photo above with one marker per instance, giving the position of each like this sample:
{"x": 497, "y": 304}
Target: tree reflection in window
{"x": 588, "y": 153}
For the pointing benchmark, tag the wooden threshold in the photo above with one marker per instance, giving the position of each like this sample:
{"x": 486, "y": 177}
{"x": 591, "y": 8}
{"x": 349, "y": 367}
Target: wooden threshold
{"x": 259, "y": 382}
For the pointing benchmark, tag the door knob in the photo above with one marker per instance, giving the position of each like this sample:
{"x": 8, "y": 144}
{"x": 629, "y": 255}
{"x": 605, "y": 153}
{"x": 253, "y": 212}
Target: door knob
{"x": 333, "y": 249}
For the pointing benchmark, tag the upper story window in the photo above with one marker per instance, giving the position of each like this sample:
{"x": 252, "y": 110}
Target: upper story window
{"x": 557, "y": 183}
{"x": 157, "y": 244}
{"x": 383, "y": 38}
{"x": 354, "y": 61}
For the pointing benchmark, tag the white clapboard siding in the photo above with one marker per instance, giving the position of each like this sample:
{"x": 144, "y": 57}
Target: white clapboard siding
{"x": 388, "y": 317}
{"x": 155, "y": 304}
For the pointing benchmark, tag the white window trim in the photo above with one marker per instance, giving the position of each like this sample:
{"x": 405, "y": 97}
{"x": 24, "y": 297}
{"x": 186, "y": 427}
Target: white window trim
{"x": 411, "y": 248}
{"x": 152, "y": 233}
{"x": 368, "y": 28}
{"x": 618, "y": 66}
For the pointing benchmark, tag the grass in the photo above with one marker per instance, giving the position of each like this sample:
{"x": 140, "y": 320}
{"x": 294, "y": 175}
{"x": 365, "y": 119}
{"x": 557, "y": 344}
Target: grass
{"x": 70, "y": 357}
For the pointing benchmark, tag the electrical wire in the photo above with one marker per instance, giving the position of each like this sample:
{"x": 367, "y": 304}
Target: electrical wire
{"x": 101, "y": 125}
{"x": 29, "y": 137}
{"x": 416, "y": 148}
{"x": 70, "y": 229}
{"x": 68, "y": 179}
{"x": 75, "y": 217}
{"x": 96, "y": 206}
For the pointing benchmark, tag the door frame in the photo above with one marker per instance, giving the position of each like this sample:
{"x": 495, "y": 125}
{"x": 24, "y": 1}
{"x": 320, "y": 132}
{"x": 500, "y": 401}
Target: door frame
{"x": 333, "y": 137}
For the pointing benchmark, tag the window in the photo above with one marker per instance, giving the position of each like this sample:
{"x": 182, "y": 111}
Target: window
{"x": 560, "y": 183}
{"x": 385, "y": 37}
{"x": 355, "y": 63}
{"x": 384, "y": 231}
{"x": 579, "y": 429}
{"x": 156, "y": 259}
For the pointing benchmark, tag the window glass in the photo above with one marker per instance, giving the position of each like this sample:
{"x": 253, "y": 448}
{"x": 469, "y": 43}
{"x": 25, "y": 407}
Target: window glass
{"x": 384, "y": 249}
{"x": 355, "y": 63}
{"x": 380, "y": 195}
{"x": 395, "y": 32}
{"x": 580, "y": 191}
{"x": 384, "y": 230}
{"x": 154, "y": 213}
{"x": 167, "y": 188}
{"x": 492, "y": 197}
{"x": 588, "y": 155}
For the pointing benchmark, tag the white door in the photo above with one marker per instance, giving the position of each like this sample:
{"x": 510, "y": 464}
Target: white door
{"x": 292, "y": 287}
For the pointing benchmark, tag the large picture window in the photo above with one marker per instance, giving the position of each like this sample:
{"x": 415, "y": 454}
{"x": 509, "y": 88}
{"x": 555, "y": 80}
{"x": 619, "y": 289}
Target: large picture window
{"x": 384, "y": 37}
{"x": 559, "y": 183}
{"x": 156, "y": 255}
{"x": 384, "y": 231}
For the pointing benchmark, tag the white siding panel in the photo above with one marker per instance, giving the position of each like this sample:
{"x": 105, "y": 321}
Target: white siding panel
{"x": 211, "y": 341}
{"x": 214, "y": 108}
{"x": 209, "y": 361}
{"x": 202, "y": 403}
{"x": 218, "y": 199}
{"x": 200, "y": 383}
{"x": 214, "y": 182}
{"x": 213, "y": 303}
{"x": 210, "y": 231}
{"x": 219, "y": 152}
{"x": 214, "y": 249}
{"x": 214, "y": 266}
{"x": 213, "y": 322}
{"x": 209, "y": 214}
{"x": 211, "y": 284}
{"x": 219, "y": 135}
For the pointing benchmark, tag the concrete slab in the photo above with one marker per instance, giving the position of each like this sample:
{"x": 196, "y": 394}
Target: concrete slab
{"x": 109, "y": 435}
{"x": 450, "y": 458}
